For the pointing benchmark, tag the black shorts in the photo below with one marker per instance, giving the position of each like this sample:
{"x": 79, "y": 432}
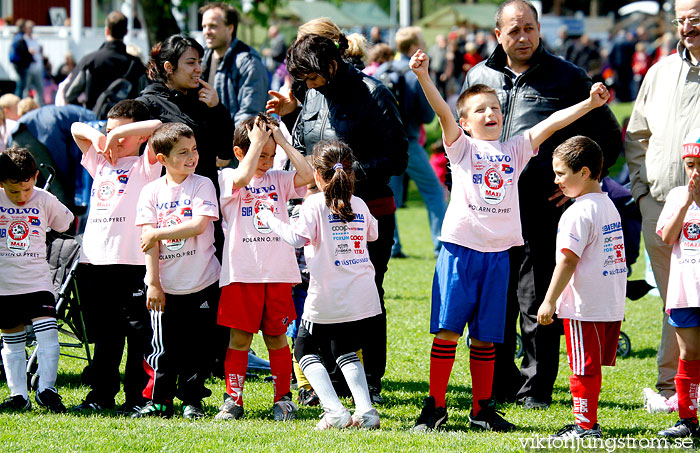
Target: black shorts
{"x": 20, "y": 309}
{"x": 313, "y": 338}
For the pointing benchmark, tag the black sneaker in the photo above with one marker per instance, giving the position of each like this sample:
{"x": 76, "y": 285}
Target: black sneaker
{"x": 375, "y": 396}
{"x": 577, "y": 432}
{"x": 152, "y": 409}
{"x": 686, "y": 427}
{"x": 229, "y": 410}
{"x": 308, "y": 397}
{"x": 50, "y": 399}
{"x": 193, "y": 411}
{"x": 530, "y": 402}
{"x": 16, "y": 403}
{"x": 430, "y": 417}
{"x": 128, "y": 408}
{"x": 489, "y": 418}
{"x": 90, "y": 406}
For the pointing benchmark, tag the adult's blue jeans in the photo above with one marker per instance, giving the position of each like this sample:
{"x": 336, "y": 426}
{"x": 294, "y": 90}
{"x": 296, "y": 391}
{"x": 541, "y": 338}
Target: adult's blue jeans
{"x": 420, "y": 171}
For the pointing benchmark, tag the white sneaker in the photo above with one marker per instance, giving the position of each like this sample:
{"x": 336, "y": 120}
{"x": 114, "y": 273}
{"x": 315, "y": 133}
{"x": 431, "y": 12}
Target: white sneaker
{"x": 339, "y": 419}
{"x": 367, "y": 420}
{"x": 654, "y": 403}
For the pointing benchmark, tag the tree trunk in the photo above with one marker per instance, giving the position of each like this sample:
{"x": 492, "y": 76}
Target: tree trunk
{"x": 159, "y": 19}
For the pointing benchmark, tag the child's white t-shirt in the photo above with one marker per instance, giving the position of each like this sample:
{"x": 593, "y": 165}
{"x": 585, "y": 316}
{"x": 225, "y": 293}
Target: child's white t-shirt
{"x": 252, "y": 252}
{"x": 23, "y": 265}
{"x": 684, "y": 276}
{"x": 111, "y": 237}
{"x": 186, "y": 265}
{"x": 484, "y": 212}
{"x": 592, "y": 230}
{"x": 341, "y": 287}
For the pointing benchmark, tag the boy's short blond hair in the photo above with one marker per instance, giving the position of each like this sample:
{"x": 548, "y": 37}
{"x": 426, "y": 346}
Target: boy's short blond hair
{"x": 9, "y": 100}
{"x": 26, "y": 105}
{"x": 407, "y": 37}
{"x": 469, "y": 93}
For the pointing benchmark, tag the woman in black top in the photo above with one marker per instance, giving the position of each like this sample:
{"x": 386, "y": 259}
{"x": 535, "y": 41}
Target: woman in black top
{"x": 177, "y": 94}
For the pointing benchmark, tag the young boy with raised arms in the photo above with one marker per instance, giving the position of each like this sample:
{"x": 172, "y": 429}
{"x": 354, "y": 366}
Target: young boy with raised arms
{"x": 258, "y": 268}
{"x": 111, "y": 249}
{"x": 482, "y": 222}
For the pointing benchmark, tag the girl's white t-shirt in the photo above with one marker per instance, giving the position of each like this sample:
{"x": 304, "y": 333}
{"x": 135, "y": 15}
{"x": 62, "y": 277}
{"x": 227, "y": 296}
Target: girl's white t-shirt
{"x": 186, "y": 265}
{"x": 341, "y": 287}
{"x": 252, "y": 252}
{"x": 111, "y": 236}
{"x": 684, "y": 276}
{"x": 23, "y": 265}
{"x": 591, "y": 229}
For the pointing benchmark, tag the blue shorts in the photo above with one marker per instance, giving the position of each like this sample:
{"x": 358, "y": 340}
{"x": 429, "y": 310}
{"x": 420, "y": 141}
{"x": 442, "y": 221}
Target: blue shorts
{"x": 684, "y": 317}
{"x": 471, "y": 288}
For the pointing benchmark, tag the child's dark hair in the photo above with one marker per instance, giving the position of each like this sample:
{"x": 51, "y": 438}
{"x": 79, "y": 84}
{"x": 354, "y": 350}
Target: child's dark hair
{"x": 315, "y": 54}
{"x": 166, "y": 135}
{"x": 333, "y": 160}
{"x": 171, "y": 49}
{"x": 129, "y": 109}
{"x": 17, "y": 165}
{"x": 470, "y": 92}
{"x": 240, "y": 135}
{"x": 578, "y": 152}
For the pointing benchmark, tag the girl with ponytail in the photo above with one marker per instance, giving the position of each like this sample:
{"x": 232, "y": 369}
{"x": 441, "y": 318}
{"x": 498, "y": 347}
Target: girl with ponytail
{"x": 334, "y": 226}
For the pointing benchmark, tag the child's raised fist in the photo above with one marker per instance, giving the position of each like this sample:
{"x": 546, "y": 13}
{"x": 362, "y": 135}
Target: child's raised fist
{"x": 599, "y": 94}
{"x": 419, "y": 62}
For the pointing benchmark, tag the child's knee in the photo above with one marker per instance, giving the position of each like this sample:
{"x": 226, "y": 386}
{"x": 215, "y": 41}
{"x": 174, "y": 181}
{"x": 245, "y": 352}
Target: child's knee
{"x": 240, "y": 340}
{"x": 481, "y": 344}
{"x": 448, "y": 335}
{"x": 275, "y": 341}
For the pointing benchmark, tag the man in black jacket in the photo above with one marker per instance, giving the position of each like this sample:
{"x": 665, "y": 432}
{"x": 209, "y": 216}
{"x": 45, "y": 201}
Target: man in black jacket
{"x": 532, "y": 84}
{"x": 97, "y": 70}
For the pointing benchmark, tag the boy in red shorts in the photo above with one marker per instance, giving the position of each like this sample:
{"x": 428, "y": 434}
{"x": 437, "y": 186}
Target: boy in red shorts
{"x": 588, "y": 285}
{"x": 258, "y": 267}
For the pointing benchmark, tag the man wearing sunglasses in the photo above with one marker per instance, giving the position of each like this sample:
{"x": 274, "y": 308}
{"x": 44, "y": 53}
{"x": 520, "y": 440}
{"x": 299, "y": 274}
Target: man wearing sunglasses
{"x": 665, "y": 111}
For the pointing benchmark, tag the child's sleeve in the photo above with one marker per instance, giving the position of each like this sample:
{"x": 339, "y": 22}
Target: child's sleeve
{"x": 228, "y": 188}
{"x": 286, "y": 182}
{"x": 146, "y": 213}
{"x": 204, "y": 200}
{"x": 59, "y": 216}
{"x": 573, "y": 233}
{"x": 91, "y": 160}
{"x": 151, "y": 171}
{"x": 307, "y": 224}
{"x": 671, "y": 206}
{"x": 524, "y": 150}
{"x": 372, "y": 228}
{"x": 457, "y": 150}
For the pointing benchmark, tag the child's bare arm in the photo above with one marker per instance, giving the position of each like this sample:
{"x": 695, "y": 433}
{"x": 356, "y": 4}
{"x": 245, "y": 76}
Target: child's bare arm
{"x": 245, "y": 171}
{"x": 305, "y": 174}
{"x": 142, "y": 129}
{"x": 672, "y": 229}
{"x": 184, "y": 230}
{"x": 86, "y": 135}
{"x": 155, "y": 297}
{"x": 419, "y": 65}
{"x": 563, "y": 271}
{"x": 541, "y": 131}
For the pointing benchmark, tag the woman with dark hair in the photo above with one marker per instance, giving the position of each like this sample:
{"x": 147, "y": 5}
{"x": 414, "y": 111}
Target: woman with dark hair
{"x": 343, "y": 103}
{"x": 177, "y": 94}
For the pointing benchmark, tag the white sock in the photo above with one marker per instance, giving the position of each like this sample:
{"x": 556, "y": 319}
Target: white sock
{"x": 354, "y": 374}
{"x": 14, "y": 360}
{"x": 48, "y": 351}
{"x": 318, "y": 377}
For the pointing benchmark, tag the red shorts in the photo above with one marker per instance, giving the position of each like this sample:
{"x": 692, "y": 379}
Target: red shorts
{"x": 591, "y": 344}
{"x": 257, "y": 306}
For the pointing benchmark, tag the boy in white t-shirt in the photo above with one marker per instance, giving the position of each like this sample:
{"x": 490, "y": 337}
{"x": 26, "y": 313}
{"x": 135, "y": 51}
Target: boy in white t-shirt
{"x": 258, "y": 268}
{"x": 481, "y": 223}
{"x": 679, "y": 225}
{"x": 26, "y": 289}
{"x": 588, "y": 285}
{"x": 111, "y": 248}
{"x": 177, "y": 212}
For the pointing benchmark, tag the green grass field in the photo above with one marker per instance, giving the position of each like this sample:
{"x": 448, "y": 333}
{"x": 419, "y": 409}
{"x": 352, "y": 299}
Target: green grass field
{"x": 408, "y": 284}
